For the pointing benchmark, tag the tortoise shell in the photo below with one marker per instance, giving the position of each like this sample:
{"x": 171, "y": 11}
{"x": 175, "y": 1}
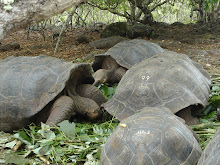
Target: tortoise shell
{"x": 28, "y": 84}
{"x": 153, "y": 136}
{"x": 212, "y": 151}
{"x": 168, "y": 79}
{"x": 128, "y": 53}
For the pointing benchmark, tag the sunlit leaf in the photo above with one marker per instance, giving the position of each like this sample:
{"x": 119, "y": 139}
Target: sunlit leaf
{"x": 23, "y": 137}
{"x": 46, "y": 142}
{"x": 46, "y": 132}
{"x": 216, "y": 88}
{"x": 68, "y": 128}
{"x": 215, "y": 100}
{"x": 44, "y": 150}
{"x": 98, "y": 130}
{"x": 15, "y": 158}
{"x": 5, "y": 137}
{"x": 11, "y": 144}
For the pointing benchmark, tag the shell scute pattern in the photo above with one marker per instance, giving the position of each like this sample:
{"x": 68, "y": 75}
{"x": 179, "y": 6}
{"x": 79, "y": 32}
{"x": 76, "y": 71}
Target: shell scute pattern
{"x": 153, "y": 136}
{"x": 28, "y": 84}
{"x": 128, "y": 53}
{"x": 168, "y": 79}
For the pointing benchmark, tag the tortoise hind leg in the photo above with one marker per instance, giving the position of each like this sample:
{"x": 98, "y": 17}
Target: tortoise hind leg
{"x": 187, "y": 116}
{"x": 62, "y": 109}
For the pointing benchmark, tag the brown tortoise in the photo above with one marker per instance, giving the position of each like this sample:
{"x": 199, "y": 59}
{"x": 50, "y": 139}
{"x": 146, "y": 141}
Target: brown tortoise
{"x": 112, "y": 65}
{"x": 167, "y": 79}
{"x": 155, "y": 136}
{"x": 43, "y": 88}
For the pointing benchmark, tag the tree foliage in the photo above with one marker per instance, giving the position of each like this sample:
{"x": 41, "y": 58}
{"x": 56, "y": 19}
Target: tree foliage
{"x": 141, "y": 10}
{"x": 209, "y": 10}
{"x": 133, "y": 10}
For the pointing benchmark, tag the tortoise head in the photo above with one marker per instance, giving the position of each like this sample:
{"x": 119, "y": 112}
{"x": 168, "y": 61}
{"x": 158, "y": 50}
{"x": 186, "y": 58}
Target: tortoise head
{"x": 101, "y": 76}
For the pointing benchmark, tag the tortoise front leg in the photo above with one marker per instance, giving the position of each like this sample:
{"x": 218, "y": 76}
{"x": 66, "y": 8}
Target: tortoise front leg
{"x": 62, "y": 109}
{"x": 118, "y": 74}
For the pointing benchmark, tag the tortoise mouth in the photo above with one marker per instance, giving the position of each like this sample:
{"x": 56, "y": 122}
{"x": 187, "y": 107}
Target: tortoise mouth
{"x": 94, "y": 114}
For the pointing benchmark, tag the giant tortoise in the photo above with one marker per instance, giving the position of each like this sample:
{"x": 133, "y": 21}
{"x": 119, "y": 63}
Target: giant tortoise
{"x": 43, "y": 88}
{"x": 112, "y": 65}
{"x": 167, "y": 79}
{"x": 211, "y": 154}
{"x": 155, "y": 136}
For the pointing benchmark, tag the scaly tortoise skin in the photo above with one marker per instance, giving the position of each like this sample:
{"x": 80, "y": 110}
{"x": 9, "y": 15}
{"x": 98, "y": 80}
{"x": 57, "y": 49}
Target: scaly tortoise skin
{"x": 211, "y": 154}
{"x": 168, "y": 79}
{"x": 112, "y": 65}
{"x": 42, "y": 88}
{"x": 154, "y": 136}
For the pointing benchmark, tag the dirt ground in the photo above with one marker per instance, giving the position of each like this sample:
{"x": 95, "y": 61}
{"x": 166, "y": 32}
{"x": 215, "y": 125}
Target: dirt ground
{"x": 203, "y": 47}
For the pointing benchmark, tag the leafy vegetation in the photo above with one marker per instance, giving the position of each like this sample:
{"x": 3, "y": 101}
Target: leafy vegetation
{"x": 209, "y": 123}
{"x": 74, "y": 143}
{"x": 108, "y": 91}
{"x": 68, "y": 143}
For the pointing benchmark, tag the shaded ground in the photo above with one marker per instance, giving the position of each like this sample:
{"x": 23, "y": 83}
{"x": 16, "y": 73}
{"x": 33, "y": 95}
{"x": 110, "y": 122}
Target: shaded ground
{"x": 200, "y": 42}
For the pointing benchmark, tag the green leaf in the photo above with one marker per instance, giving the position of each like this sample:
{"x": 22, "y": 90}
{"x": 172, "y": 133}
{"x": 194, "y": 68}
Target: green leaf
{"x": 45, "y": 142}
{"x": 215, "y": 100}
{"x": 207, "y": 109}
{"x": 98, "y": 130}
{"x": 68, "y": 128}
{"x": 107, "y": 91}
{"x": 15, "y": 158}
{"x": 79, "y": 60}
{"x": 46, "y": 132}
{"x": 211, "y": 115}
{"x": 5, "y": 137}
{"x": 44, "y": 150}
{"x": 11, "y": 144}
{"x": 216, "y": 88}
{"x": 23, "y": 137}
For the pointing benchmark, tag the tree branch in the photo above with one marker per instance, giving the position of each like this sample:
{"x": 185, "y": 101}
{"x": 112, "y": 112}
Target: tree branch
{"x": 159, "y": 4}
{"x": 110, "y": 10}
{"x": 64, "y": 27}
{"x": 24, "y": 12}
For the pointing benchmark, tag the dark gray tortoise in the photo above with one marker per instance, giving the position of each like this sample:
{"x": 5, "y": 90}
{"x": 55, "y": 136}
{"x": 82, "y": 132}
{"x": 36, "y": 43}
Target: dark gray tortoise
{"x": 43, "y": 88}
{"x": 211, "y": 154}
{"x": 168, "y": 79}
{"x": 152, "y": 137}
{"x": 112, "y": 65}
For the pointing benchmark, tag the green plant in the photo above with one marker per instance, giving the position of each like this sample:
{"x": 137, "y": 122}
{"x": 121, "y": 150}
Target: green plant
{"x": 65, "y": 143}
{"x": 108, "y": 91}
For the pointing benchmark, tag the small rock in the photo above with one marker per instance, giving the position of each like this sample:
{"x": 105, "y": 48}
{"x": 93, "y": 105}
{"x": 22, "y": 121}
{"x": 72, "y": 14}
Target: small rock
{"x": 139, "y": 30}
{"x": 114, "y": 29}
{"x": 7, "y": 47}
{"x": 214, "y": 51}
{"x": 197, "y": 52}
{"x": 108, "y": 42}
{"x": 82, "y": 39}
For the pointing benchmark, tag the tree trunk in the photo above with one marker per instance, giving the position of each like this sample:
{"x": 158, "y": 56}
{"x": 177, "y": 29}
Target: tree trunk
{"x": 25, "y": 12}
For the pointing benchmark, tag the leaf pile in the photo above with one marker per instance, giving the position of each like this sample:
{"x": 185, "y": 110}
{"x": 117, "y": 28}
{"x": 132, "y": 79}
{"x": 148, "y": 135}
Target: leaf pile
{"x": 206, "y": 129}
{"x": 209, "y": 122}
{"x": 69, "y": 143}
